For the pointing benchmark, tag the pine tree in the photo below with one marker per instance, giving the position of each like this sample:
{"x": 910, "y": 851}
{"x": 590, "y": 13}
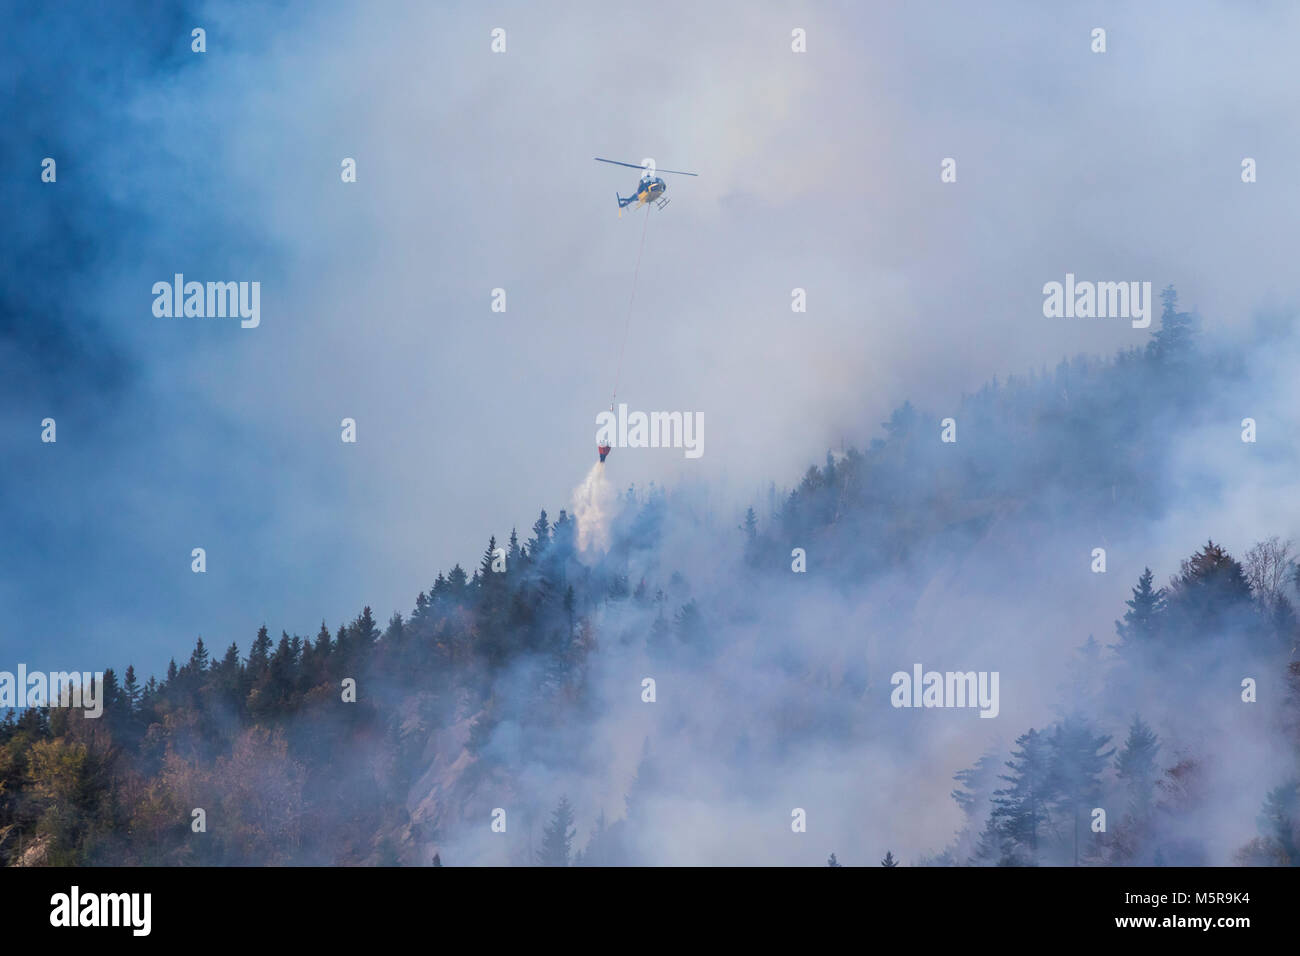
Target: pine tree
{"x": 599, "y": 850}
{"x": 131, "y": 690}
{"x": 228, "y": 674}
{"x": 322, "y": 642}
{"x": 199, "y": 659}
{"x": 557, "y": 840}
{"x": 660, "y": 631}
{"x": 976, "y": 784}
{"x": 889, "y": 859}
{"x": 689, "y": 623}
{"x": 750, "y": 530}
{"x": 1078, "y": 758}
{"x": 1136, "y": 767}
{"x": 514, "y": 556}
{"x": 457, "y": 583}
{"x": 1211, "y": 593}
{"x": 489, "y": 556}
{"x": 833, "y": 862}
{"x": 259, "y": 656}
{"x": 281, "y": 675}
{"x": 541, "y": 538}
{"x": 973, "y": 796}
{"x": 320, "y": 658}
{"x": 563, "y": 541}
{"x": 367, "y": 632}
{"x": 1174, "y": 342}
{"x": 1021, "y": 810}
{"x": 992, "y": 847}
{"x": 110, "y": 694}
{"x": 492, "y": 599}
{"x": 343, "y": 656}
{"x": 395, "y": 633}
{"x": 1140, "y": 626}
{"x": 1279, "y": 822}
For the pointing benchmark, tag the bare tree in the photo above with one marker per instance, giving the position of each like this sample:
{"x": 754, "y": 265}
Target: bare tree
{"x": 1269, "y": 566}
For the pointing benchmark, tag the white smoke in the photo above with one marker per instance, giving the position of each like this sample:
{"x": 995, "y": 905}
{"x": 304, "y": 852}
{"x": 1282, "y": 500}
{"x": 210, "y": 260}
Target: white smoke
{"x": 593, "y": 507}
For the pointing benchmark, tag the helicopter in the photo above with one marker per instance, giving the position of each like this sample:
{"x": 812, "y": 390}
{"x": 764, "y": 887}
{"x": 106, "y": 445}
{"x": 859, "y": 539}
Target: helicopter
{"x": 651, "y": 188}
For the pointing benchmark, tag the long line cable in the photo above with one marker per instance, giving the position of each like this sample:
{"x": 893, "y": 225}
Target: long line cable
{"x": 627, "y": 327}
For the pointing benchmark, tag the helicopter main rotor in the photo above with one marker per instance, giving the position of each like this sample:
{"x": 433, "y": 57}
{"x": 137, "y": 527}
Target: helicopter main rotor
{"x": 648, "y": 170}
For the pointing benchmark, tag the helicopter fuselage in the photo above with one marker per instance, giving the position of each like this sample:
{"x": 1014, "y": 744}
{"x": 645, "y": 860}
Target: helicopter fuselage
{"x": 649, "y": 189}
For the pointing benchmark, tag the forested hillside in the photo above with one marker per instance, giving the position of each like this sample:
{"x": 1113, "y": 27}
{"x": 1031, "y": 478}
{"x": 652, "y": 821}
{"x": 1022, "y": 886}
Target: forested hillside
{"x": 522, "y": 688}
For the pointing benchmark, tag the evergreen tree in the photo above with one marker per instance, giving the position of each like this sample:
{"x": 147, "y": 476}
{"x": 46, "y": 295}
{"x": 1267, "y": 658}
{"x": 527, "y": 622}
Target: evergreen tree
{"x": 1142, "y": 621}
{"x": 992, "y": 848}
{"x": 110, "y": 694}
{"x": 489, "y": 556}
{"x": 563, "y": 541}
{"x": 226, "y": 677}
{"x": 366, "y": 631}
{"x": 689, "y": 623}
{"x": 1137, "y": 769}
{"x": 750, "y": 530}
{"x": 199, "y": 659}
{"x": 318, "y": 668}
{"x": 1140, "y": 626}
{"x": 1211, "y": 593}
{"x": 1078, "y": 757}
{"x": 457, "y": 587}
{"x": 833, "y": 862}
{"x": 493, "y": 600}
{"x": 514, "y": 555}
{"x": 280, "y": 677}
{"x": 342, "y": 655}
{"x": 1021, "y": 810}
{"x": 541, "y": 538}
{"x": 557, "y": 840}
{"x": 259, "y": 656}
{"x": 660, "y": 632}
{"x": 1279, "y": 822}
{"x": 600, "y": 850}
{"x": 1174, "y": 342}
{"x": 395, "y": 633}
{"x": 131, "y": 690}
{"x": 974, "y": 796}
{"x": 322, "y": 647}
{"x": 889, "y": 859}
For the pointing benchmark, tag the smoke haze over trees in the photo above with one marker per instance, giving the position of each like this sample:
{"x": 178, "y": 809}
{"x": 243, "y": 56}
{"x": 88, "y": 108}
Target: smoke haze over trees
{"x": 522, "y": 690}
